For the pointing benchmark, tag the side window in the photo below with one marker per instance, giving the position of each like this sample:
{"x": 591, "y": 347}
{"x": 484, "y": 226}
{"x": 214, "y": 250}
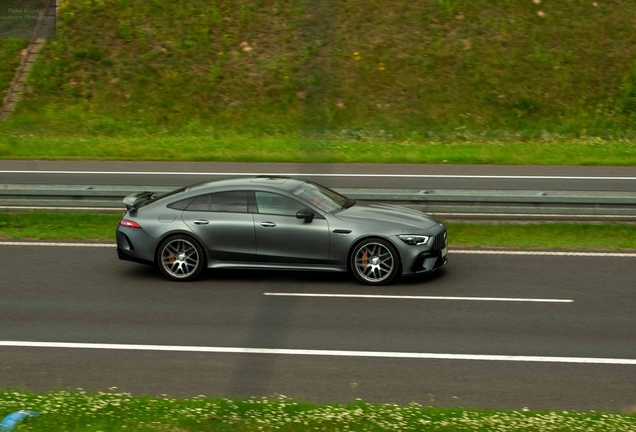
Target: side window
{"x": 181, "y": 205}
{"x": 233, "y": 202}
{"x": 275, "y": 204}
{"x": 200, "y": 203}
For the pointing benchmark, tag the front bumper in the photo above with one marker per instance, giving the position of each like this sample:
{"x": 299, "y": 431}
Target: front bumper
{"x": 427, "y": 262}
{"x": 425, "y": 259}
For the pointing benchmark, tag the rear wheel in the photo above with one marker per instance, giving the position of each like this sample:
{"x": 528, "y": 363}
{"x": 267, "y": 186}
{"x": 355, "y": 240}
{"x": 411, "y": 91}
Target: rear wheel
{"x": 374, "y": 262}
{"x": 180, "y": 258}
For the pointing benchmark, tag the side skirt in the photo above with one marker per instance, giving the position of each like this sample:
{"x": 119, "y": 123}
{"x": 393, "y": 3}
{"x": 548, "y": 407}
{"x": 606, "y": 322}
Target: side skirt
{"x": 212, "y": 264}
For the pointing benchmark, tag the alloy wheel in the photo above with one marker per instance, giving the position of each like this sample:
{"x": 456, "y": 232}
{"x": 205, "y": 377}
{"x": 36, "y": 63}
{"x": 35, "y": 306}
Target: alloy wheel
{"x": 374, "y": 263}
{"x": 180, "y": 259}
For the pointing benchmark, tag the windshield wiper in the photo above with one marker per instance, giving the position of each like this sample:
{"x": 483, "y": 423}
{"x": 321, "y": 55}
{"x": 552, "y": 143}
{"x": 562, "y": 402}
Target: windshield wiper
{"x": 349, "y": 203}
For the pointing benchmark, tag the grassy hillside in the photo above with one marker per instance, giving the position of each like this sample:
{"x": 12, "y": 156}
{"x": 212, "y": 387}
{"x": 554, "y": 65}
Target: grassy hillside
{"x": 342, "y": 70}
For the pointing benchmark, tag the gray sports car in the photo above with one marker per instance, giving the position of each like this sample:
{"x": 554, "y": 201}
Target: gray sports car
{"x": 274, "y": 222}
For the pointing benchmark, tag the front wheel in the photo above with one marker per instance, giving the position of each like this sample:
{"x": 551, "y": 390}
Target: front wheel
{"x": 180, "y": 258}
{"x": 374, "y": 262}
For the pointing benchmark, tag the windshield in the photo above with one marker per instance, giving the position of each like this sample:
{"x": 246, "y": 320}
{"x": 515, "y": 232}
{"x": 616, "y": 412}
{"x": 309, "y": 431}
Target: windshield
{"x": 323, "y": 198}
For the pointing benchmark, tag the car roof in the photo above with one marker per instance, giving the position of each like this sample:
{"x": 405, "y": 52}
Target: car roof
{"x": 278, "y": 182}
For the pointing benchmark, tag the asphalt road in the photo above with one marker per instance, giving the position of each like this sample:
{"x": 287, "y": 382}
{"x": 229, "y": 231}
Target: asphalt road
{"x": 86, "y": 295}
{"x": 507, "y": 177}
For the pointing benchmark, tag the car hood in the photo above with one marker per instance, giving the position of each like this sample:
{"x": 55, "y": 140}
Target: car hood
{"x": 387, "y": 214}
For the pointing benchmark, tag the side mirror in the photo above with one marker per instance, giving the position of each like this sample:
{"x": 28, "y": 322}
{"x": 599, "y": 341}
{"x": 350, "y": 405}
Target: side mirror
{"x": 306, "y": 214}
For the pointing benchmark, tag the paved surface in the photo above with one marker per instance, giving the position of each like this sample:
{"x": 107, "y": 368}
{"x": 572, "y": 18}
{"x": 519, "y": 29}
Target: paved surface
{"x": 81, "y": 294}
{"x": 331, "y": 175}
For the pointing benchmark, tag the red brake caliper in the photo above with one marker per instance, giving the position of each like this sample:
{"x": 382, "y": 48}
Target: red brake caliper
{"x": 365, "y": 261}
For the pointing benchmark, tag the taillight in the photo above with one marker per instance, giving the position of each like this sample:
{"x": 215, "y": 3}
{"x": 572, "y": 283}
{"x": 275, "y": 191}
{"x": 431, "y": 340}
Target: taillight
{"x": 129, "y": 224}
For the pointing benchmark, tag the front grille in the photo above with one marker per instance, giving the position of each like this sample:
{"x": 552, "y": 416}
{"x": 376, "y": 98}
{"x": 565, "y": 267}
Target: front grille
{"x": 439, "y": 241}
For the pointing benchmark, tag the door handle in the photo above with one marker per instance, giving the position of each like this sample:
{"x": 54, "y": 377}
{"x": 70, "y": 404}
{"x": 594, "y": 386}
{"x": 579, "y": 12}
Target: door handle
{"x": 201, "y": 222}
{"x": 268, "y": 224}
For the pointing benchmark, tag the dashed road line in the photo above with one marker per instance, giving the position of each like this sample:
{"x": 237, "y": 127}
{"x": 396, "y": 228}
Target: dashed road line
{"x": 407, "y": 297}
{"x": 307, "y": 352}
{"x": 535, "y": 215}
{"x": 541, "y": 253}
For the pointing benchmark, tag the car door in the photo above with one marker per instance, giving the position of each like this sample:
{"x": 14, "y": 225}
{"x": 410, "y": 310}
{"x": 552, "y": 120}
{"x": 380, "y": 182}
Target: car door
{"x": 222, "y": 221}
{"x": 282, "y": 238}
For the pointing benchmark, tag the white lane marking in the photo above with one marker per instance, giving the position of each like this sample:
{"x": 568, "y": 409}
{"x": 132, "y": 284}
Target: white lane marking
{"x": 320, "y": 175}
{"x": 534, "y": 215}
{"x": 118, "y": 209}
{"x": 337, "y": 353}
{"x": 543, "y": 253}
{"x": 450, "y": 251}
{"x": 64, "y": 244}
{"x": 502, "y": 299}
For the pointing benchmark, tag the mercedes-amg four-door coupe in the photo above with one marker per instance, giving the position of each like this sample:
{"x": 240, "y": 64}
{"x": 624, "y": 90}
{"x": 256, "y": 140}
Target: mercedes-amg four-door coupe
{"x": 275, "y": 222}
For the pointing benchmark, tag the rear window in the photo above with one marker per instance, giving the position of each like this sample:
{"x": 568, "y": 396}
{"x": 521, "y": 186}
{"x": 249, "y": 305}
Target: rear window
{"x": 200, "y": 203}
{"x": 157, "y": 197}
{"x": 181, "y": 205}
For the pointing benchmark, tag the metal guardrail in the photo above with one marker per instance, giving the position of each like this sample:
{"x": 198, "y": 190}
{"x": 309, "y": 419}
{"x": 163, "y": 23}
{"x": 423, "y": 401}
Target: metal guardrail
{"x": 449, "y": 203}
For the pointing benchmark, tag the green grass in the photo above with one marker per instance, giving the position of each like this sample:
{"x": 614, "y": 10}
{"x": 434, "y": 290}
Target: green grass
{"x": 232, "y": 147}
{"x": 618, "y": 236}
{"x": 357, "y": 80}
{"x": 80, "y": 411}
{"x": 91, "y": 226}
{"x": 58, "y": 226}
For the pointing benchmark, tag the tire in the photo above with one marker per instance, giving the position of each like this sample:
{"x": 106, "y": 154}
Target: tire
{"x": 180, "y": 258}
{"x": 374, "y": 262}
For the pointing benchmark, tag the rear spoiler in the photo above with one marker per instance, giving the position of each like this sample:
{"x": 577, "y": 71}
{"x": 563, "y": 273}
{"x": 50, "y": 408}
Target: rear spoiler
{"x": 132, "y": 201}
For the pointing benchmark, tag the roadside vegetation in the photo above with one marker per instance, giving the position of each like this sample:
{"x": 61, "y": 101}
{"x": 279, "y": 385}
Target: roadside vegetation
{"x": 462, "y": 81}
{"x": 545, "y": 235}
{"x": 10, "y": 57}
{"x": 295, "y": 148}
{"x": 58, "y": 225}
{"x": 81, "y": 411}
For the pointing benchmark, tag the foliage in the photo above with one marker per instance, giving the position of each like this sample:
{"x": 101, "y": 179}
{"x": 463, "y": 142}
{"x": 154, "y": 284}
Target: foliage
{"x": 555, "y": 235}
{"x": 344, "y": 146}
{"x": 58, "y": 225}
{"x": 112, "y": 411}
{"x": 629, "y": 101}
{"x": 431, "y": 70}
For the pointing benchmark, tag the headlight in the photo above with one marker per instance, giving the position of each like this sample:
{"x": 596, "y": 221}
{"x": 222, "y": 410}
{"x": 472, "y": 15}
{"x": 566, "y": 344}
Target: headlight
{"x": 414, "y": 240}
